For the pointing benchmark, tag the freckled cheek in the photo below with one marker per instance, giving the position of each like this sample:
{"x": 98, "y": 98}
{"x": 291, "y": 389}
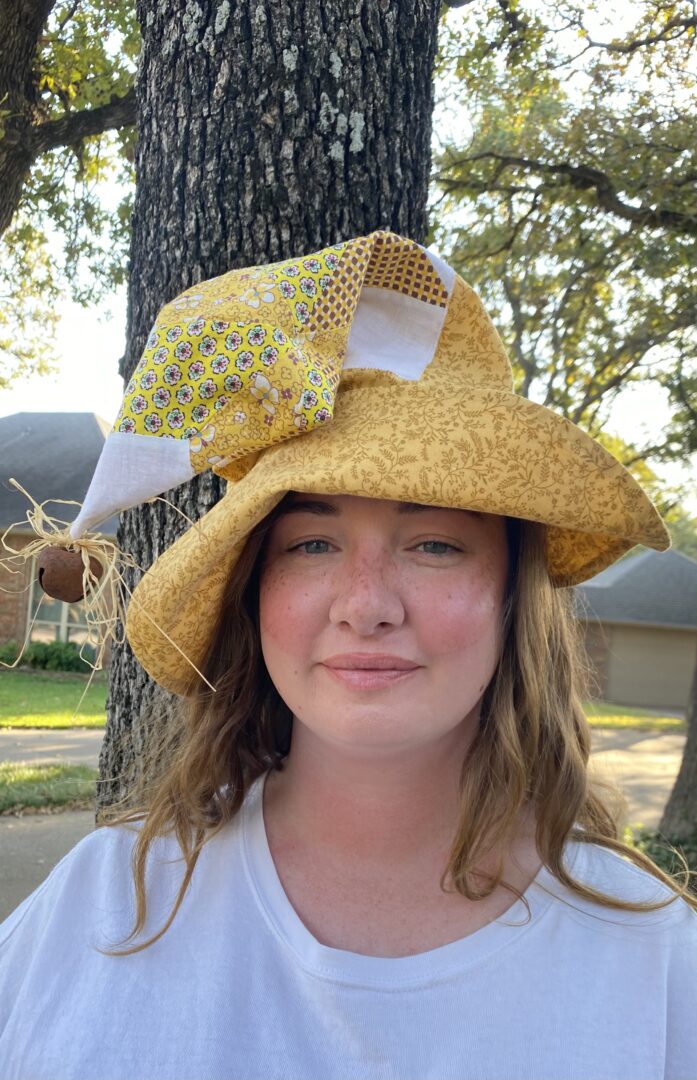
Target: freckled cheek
{"x": 290, "y": 612}
{"x": 463, "y": 618}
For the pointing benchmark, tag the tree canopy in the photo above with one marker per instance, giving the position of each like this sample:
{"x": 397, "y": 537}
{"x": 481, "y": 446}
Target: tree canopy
{"x": 67, "y": 114}
{"x": 568, "y": 197}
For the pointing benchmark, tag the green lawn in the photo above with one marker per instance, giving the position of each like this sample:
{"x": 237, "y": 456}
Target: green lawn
{"x": 603, "y": 715}
{"x": 23, "y": 785}
{"x": 49, "y": 699}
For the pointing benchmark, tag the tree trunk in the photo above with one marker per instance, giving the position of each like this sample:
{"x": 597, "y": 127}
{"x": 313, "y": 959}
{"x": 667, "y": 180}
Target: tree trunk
{"x": 20, "y": 108}
{"x": 679, "y": 821}
{"x": 265, "y": 130}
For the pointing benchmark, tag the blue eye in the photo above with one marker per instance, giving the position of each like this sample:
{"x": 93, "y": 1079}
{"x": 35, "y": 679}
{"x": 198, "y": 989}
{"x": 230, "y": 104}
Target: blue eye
{"x": 313, "y": 547}
{"x": 437, "y": 547}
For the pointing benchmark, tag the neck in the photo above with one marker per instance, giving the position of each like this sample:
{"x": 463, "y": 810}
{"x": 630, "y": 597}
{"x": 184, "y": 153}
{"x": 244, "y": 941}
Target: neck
{"x": 363, "y": 805}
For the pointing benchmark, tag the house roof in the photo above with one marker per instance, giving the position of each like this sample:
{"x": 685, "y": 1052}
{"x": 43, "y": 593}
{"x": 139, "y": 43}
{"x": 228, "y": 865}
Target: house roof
{"x": 653, "y": 588}
{"x": 53, "y": 456}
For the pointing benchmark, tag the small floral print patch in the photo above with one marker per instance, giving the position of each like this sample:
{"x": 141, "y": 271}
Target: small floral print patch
{"x": 197, "y": 370}
{"x": 161, "y": 398}
{"x": 233, "y": 383}
{"x": 244, "y": 361}
{"x": 175, "y": 418}
{"x": 256, "y": 336}
{"x": 308, "y": 399}
{"x": 199, "y": 413}
{"x": 173, "y": 374}
{"x": 183, "y": 351}
{"x": 220, "y": 364}
{"x": 153, "y": 423}
{"x": 207, "y": 389}
{"x": 185, "y": 394}
{"x": 174, "y": 333}
{"x": 207, "y": 345}
{"x": 148, "y": 379}
{"x": 269, "y": 356}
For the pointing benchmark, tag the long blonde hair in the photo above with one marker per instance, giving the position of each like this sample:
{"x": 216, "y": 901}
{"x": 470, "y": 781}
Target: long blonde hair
{"x": 532, "y": 746}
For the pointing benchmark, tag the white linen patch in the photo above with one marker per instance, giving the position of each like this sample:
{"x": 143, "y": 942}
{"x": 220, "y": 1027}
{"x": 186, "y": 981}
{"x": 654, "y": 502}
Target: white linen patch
{"x": 393, "y": 332}
{"x": 131, "y": 470}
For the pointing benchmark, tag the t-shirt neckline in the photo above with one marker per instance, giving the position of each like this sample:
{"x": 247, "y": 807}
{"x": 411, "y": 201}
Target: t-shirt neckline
{"x": 394, "y": 973}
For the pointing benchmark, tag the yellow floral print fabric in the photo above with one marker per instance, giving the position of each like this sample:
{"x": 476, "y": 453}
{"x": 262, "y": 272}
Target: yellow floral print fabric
{"x": 253, "y": 357}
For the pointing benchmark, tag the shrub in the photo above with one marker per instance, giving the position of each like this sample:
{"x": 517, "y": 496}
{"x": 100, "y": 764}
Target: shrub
{"x": 49, "y": 655}
{"x": 9, "y": 652}
{"x": 659, "y": 848}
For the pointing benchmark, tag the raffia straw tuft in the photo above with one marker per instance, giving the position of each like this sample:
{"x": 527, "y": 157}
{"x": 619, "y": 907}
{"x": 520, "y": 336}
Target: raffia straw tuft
{"x": 105, "y": 596}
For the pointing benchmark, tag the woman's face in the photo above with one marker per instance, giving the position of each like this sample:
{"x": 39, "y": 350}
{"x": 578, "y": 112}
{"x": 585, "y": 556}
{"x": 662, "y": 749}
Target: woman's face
{"x": 380, "y": 621}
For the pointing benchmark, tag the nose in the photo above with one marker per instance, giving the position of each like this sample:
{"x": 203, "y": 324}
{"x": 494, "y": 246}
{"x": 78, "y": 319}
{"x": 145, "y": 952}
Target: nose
{"x": 367, "y": 596}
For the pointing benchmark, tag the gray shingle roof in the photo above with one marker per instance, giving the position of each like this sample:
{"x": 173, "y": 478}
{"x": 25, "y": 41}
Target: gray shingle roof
{"x": 654, "y": 588}
{"x": 53, "y": 456}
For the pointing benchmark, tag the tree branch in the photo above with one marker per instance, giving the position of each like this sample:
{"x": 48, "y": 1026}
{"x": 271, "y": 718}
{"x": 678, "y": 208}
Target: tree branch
{"x": 629, "y": 47}
{"x": 585, "y": 178}
{"x": 76, "y": 126}
{"x": 637, "y": 346}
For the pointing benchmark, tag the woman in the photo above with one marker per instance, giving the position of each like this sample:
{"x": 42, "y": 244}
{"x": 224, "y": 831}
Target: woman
{"x": 369, "y": 847}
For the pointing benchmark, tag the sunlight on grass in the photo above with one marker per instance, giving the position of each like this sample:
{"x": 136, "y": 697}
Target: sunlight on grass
{"x": 49, "y": 700}
{"x": 601, "y": 714}
{"x": 24, "y": 785}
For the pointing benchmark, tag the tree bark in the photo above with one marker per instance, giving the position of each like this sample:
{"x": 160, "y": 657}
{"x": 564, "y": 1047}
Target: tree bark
{"x": 265, "y": 130}
{"x": 679, "y": 821}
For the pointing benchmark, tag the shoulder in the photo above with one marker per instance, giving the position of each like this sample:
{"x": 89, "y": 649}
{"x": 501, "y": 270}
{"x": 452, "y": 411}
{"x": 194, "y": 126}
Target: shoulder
{"x": 94, "y": 873}
{"x": 614, "y": 875}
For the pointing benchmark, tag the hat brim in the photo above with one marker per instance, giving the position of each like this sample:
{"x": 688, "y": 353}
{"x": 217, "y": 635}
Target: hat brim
{"x": 490, "y": 450}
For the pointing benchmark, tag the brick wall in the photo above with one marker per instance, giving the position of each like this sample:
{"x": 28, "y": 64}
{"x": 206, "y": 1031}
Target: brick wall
{"x": 13, "y": 602}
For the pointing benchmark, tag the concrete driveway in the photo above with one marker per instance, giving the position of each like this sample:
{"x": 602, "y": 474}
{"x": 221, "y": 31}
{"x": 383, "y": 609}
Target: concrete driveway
{"x": 642, "y": 763}
{"x": 79, "y": 746}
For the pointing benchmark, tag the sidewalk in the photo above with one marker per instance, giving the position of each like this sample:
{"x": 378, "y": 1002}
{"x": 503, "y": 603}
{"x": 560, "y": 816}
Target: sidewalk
{"x": 642, "y": 763}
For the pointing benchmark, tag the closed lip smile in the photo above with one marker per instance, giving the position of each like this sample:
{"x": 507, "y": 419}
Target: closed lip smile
{"x": 369, "y": 662}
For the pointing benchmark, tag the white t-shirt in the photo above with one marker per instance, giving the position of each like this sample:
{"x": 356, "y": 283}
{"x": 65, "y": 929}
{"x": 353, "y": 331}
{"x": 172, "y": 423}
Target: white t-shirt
{"x": 238, "y": 989}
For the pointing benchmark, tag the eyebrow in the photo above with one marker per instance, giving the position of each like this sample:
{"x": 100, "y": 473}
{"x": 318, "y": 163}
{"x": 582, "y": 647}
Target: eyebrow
{"x": 326, "y": 509}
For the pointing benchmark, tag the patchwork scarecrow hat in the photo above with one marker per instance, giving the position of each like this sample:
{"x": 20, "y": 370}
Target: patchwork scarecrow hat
{"x": 368, "y": 368}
